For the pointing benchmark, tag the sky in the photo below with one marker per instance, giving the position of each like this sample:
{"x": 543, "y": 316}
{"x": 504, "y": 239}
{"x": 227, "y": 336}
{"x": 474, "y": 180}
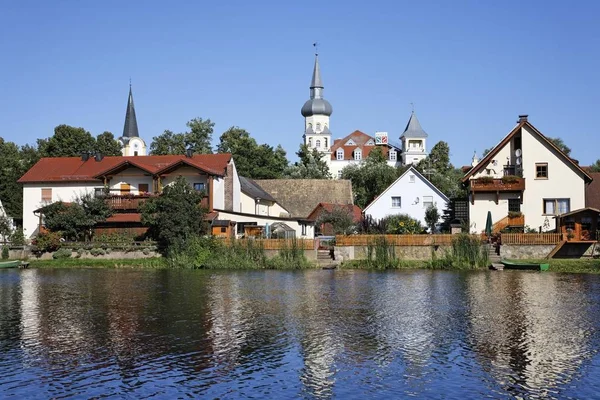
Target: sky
{"x": 469, "y": 67}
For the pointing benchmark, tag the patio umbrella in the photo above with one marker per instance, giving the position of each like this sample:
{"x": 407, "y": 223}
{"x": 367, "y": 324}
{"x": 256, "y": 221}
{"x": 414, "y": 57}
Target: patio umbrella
{"x": 488, "y": 224}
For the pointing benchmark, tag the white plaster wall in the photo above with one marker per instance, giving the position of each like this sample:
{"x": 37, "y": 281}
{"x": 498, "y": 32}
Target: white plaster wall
{"x": 495, "y": 167}
{"x": 32, "y": 199}
{"x": 190, "y": 174}
{"x": 132, "y": 176}
{"x": 485, "y": 202}
{"x": 218, "y": 193}
{"x": 237, "y": 189}
{"x": 409, "y": 192}
{"x": 262, "y": 220}
{"x": 268, "y": 208}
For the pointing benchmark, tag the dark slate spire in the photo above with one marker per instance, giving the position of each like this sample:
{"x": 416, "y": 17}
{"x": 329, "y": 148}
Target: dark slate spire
{"x": 317, "y": 104}
{"x": 316, "y": 82}
{"x": 130, "y": 129}
{"x": 413, "y": 128}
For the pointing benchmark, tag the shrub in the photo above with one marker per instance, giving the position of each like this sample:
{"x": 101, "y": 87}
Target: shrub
{"x": 485, "y": 180}
{"x": 80, "y": 252}
{"x": 48, "y": 241}
{"x": 510, "y": 179}
{"x": 402, "y": 224}
{"x": 5, "y": 252}
{"x": 514, "y": 214}
{"x": 18, "y": 237}
{"x": 97, "y": 252}
{"x": 62, "y": 254}
{"x": 381, "y": 254}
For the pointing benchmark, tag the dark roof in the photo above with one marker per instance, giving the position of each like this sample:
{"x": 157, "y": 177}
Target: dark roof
{"x": 301, "y": 196}
{"x": 592, "y": 191}
{"x": 574, "y": 212}
{"x": 252, "y": 189}
{"x": 130, "y": 129}
{"x": 74, "y": 169}
{"x": 522, "y": 123}
{"x": 413, "y": 128}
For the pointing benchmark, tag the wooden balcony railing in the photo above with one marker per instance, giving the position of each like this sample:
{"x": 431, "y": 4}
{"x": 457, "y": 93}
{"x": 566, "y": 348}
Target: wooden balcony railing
{"x": 132, "y": 202}
{"x": 531, "y": 238}
{"x": 508, "y": 222}
{"x": 498, "y": 185}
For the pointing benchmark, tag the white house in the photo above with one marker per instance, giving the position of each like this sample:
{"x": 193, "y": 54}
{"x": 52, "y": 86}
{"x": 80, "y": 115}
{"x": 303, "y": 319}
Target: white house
{"x": 410, "y": 194}
{"x": 527, "y": 175}
{"x": 10, "y": 220}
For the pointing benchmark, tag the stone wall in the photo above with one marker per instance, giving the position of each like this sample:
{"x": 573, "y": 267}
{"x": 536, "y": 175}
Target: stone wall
{"x": 23, "y": 254}
{"x": 524, "y": 251}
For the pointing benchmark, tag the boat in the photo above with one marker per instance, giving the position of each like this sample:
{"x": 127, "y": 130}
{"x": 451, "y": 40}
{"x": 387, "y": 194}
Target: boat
{"x": 10, "y": 264}
{"x": 516, "y": 264}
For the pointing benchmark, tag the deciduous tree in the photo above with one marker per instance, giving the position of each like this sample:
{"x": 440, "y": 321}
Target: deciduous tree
{"x": 67, "y": 141}
{"x": 168, "y": 143}
{"x": 107, "y": 144}
{"x": 310, "y": 165}
{"x": 199, "y": 136}
{"x": 432, "y": 217}
{"x": 558, "y": 142}
{"x": 441, "y": 173}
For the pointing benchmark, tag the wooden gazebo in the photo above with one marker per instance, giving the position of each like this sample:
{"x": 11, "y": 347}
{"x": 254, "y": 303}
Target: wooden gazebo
{"x": 579, "y": 225}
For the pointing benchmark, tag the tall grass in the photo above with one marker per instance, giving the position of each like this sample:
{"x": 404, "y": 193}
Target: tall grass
{"x": 381, "y": 254}
{"x": 467, "y": 252}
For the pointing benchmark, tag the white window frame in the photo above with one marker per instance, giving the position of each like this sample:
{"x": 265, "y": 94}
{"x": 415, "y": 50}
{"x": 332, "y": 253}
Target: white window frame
{"x": 556, "y": 203}
{"x": 427, "y": 201}
{"x": 392, "y": 155}
{"x": 396, "y": 201}
{"x": 411, "y": 178}
{"x": 317, "y": 143}
{"x": 358, "y": 154}
{"x": 339, "y": 154}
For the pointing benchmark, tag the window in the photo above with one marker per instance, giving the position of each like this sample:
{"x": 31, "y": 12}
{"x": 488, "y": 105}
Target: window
{"x": 143, "y": 188}
{"x": 514, "y": 205}
{"x": 392, "y": 155}
{"x": 427, "y": 201}
{"x": 357, "y": 154}
{"x": 47, "y": 194}
{"x": 411, "y": 178}
{"x": 556, "y": 206}
{"x": 339, "y": 154}
{"x": 303, "y": 229}
{"x": 318, "y": 127}
{"x": 125, "y": 188}
{"x": 309, "y": 126}
{"x": 223, "y": 229}
{"x": 396, "y": 201}
{"x": 135, "y": 153}
{"x": 98, "y": 192}
{"x": 541, "y": 171}
{"x": 340, "y": 174}
{"x": 325, "y": 142}
{"x": 198, "y": 186}
{"x": 309, "y": 142}
{"x": 317, "y": 143}
{"x": 350, "y": 143}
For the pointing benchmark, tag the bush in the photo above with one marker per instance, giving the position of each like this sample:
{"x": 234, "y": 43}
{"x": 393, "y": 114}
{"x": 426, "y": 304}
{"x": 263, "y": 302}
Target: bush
{"x": 97, "y": 252}
{"x": 485, "y": 180}
{"x": 402, "y": 224}
{"x": 510, "y": 179}
{"x": 18, "y": 237}
{"x": 48, "y": 242}
{"x": 5, "y": 252}
{"x": 61, "y": 254}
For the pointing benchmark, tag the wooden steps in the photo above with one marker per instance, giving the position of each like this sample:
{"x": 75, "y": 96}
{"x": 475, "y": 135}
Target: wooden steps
{"x": 556, "y": 249}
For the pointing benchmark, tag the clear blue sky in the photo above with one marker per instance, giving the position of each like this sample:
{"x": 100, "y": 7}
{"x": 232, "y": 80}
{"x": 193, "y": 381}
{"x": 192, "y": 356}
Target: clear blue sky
{"x": 470, "y": 67}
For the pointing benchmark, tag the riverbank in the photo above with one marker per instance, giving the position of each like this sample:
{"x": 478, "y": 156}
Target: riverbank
{"x": 156, "y": 262}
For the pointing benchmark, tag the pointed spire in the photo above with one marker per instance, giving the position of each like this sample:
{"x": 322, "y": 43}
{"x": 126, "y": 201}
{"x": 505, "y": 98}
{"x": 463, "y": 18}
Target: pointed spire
{"x": 413, "y": 128}
{"x": 130, "y": 129}
{"x": 316, "y": 77}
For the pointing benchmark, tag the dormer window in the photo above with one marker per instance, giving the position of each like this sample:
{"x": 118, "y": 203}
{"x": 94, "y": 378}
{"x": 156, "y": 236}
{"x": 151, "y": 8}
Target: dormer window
{"x": 370, "y": 143}
{"x": 340, "y": 154}
{"x": 350, "y": 143}
{"x": 392, "y": 155}
{"x": 357, "y": 154}
{"x": 317, "y": 143}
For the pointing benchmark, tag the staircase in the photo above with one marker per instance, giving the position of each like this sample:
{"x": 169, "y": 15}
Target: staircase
{"x": 494, "y": 259}
{"x": 324, "y": 259}
{"x": 508, "y": 222}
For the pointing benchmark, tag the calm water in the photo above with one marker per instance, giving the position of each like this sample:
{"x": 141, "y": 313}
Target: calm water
{"x": 314, "y": 334}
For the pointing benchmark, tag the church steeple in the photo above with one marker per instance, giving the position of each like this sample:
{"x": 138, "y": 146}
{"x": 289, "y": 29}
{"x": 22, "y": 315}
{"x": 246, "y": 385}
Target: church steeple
{"x": 131, "y": 128}
{"x": 316, "y": 85}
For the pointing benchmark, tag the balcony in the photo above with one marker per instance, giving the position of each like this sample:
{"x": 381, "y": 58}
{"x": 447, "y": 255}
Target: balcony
{"x": 505, "y": 184}
{"x": 133, "y": 202}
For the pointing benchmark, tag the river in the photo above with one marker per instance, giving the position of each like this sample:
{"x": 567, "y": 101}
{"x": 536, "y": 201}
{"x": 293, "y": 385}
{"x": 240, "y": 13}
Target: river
{"x": 117, "y": 333}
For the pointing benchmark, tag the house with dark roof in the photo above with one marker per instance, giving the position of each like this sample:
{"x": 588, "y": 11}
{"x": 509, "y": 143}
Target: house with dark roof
{"x": 127, "y": 182}
{"x": 524, "y": 180}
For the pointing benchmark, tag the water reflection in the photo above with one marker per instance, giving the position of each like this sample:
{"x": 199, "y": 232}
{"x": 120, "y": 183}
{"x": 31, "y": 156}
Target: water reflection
{"x": 312, "y": 334}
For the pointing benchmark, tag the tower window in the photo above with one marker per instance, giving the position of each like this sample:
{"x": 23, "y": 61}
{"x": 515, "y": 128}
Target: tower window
{"x": 317, "y": 143}
{"x": 357, "y": 154}
{"x": 309, "y": 142}
{"x": 392, "y": 155}
{"x": 339, "y": 154}
{"x": 318, "y": 127}
{"x": 309, "y": 126}
{"x": 325, "y": 142}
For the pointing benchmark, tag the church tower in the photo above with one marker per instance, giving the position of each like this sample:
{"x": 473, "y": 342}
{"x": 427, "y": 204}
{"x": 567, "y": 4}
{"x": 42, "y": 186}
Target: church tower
{"x": 316, "y": 112}
{"x": 413, "y": 140}
{"x": 131, "y": 142}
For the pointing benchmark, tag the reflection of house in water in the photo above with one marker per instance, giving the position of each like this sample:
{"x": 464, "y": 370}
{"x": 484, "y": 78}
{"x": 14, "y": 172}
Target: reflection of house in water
{"x": 527, "y": 334}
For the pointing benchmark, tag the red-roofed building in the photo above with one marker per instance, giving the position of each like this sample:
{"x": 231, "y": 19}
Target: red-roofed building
{"x": 327, "y": 229}
{"x": 129, "y": 182}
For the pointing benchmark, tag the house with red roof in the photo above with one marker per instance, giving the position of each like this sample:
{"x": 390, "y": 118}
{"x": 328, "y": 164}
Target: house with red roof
{"x": 321, "y": 208}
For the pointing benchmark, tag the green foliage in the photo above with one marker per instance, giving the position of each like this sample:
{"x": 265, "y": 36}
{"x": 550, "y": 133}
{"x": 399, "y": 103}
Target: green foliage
{"x": 5, "y": 227}
{"x": 107, "y": 144}
{"x": 14, "y": 162}
{"x": 369, "y": 178}
{"x": 197, "y": 139}
{"x": 311, "y": 165}
{"x": 61, "y": 254}
{"x": 168, "y": 143}
{"x": 595, "y": 167}
{"x": 174, "y": 217}
{"x": 97, "y": 252}
{"x": 381, "y": 254}
{"x": 510, "y": 179}
{"x": 18, "y": 237}
{"x": 440, "y": 172}
{"x": 558, "y": 142}
{"x": 67, "y": 141}
{"x": 467, "y": 252}
{"x": 514, "y": 214}
{"x": 485, "y": 180}
{"x": 251, "y": 159}
{"x": 340, "y": 219}
{"x": 5, "y": 252}
{"x": 432, "y": 216}
{"x": 402, "y": 224}
{"x": 486, "y": 152}
{"x": 48, "y": 242}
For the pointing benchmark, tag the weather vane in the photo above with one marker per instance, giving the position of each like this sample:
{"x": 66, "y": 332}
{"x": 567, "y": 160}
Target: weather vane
{"x": 412, "y": 105}
{"x": 316, "y": 45}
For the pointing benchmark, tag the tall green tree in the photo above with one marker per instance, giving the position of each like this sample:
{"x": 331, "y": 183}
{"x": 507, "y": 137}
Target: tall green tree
{"x": 14, "y": 162}
{"x": 432, "y": 217}
{"x": 251, "y": 159}
{"x": 310, "y": 165}
{"x": 67, "y": 141}
{"x": 441, "y": 173}
{"x": 168, "y": 143}
{"x": 595, "y": 167}
{"x": 558, "y": 142}
{"x": 175, "y": 216}
{"x": 370, "y": 178}
{"x": 199, "y": 136}
{"x": 107, "y": 144}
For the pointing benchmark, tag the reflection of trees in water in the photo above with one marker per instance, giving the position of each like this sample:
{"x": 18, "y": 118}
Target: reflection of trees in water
{"x": 11, "y": 294}
{"x": 530, "y": 331}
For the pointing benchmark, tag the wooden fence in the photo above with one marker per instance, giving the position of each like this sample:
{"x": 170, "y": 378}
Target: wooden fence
{"x": 531, "y": 238}
{"x": 274, "y": 244}
{"x": 396, "y": 240}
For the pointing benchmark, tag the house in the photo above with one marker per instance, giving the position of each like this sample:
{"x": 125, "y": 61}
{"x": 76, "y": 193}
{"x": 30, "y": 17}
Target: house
{"x": 525, "y": 180}
{"x": 327, "y": 229}
{"x": 410, "y": 194}
{"x": 127, "y": 182}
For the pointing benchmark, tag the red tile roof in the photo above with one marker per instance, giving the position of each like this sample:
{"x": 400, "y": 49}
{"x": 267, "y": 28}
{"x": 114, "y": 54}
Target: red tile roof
{"x": 329, "y": 207}
{"x": 592, "y": 191}
{"x": 74, "y": 169}
{"x": 360, "y": 139}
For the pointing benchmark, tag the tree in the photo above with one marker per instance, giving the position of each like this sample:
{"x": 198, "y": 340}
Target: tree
{"x": 432, "y": 217}
{"x": 340, "y": 219}
{"x": 67, "y": 141}
{"x": 6, "y": 227}
{"x": 310, "y": 165}
{"x": 486, "y": 152}
{"x": 168, "y": 143}
{"x": 174, "y": 217}
{"x": 14, "y": 162}
{"x": 441, "y": 173}
{"x": 558, "y": 142}
{"x": 369, "y": 178}
{"x": 595, "y": 167}
{"x": 107, "y": 145}
{"x": 251, "y": 159}
{"x": 199, "y": 136}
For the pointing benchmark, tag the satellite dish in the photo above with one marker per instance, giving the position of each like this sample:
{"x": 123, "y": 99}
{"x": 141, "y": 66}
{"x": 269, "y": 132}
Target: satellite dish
{"x": 518, "y": 152}
{"x": 518, "y": 160}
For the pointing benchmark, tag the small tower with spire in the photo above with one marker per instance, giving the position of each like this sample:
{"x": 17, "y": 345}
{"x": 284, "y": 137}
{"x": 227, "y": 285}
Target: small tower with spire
{"x": 414, "y": 141}
{"x": 316, "y": 112}
{"x": 131, "y": 142}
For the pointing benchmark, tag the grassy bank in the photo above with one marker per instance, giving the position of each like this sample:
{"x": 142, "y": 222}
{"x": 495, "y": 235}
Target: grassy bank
{"x": 572, "y": 265}
{"x": 156, "y": 262}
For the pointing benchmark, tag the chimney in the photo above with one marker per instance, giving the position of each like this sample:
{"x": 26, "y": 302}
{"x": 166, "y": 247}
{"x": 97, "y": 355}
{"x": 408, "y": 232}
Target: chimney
{"x": 85, "y": 155}
{"x": 189, "y": 153}
{"x": 99, "y": 157}
{"x": 522, "y": 118}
